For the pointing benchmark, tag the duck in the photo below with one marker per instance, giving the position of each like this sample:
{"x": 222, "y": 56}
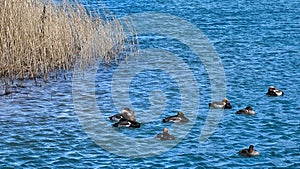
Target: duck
{"x": 274, "y": 92}
{"x": 248, "y": 110}
{"x": 127, "y": 123}
{"x": 250, "y": 152}
{"x": 126, "y": 113}
{"x": 165, "y": 135}
{"x": 224, "y": 104}
{"x": 179, "y": 118}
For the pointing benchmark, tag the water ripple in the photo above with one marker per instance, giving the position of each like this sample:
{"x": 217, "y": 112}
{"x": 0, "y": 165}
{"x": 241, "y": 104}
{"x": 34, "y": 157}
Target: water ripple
{"x": 258, "y": 43}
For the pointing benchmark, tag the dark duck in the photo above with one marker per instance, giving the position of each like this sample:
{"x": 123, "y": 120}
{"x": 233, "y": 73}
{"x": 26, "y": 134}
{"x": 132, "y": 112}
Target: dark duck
{"x": 250, "y": 152}
{"x": 127, "y": 123}
{"x": 248, "y": 110}
{"x": 165, "y": 135}
{"x": 224, "y": 104}
{"x": 274, "y": 92}
{"x": 179, "y": 118}
{"x": 126, "y": 113}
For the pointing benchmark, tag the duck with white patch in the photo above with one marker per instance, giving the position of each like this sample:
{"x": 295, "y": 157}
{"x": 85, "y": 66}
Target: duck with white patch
{"x": 179, "y": 118}
{"x": 250, "y": 152}
{"x": 126, "y": 113}
{"x": 165, "y": 135}
{"x": 127, "y": 123}
{"x": 224, "y": 104}
{"x": 274, "y": 92}
{"x": 248, "y": 110}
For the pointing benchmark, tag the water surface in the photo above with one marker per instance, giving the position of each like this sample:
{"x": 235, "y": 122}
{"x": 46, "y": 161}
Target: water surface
{"x": 258, "y": 44}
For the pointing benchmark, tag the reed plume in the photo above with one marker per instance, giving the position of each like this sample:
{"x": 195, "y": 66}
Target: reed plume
{"x": 37, "y": 38}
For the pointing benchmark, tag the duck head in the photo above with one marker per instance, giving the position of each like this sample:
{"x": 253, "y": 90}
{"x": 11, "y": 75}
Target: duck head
{"x": 180, "y": 113}
{"x": 271, "y": 88}
{"x": 225, "y": 100}
{"x": 251, "y": 148}
{"x": 127, "y": 111}
{"x": 249, "y": 108}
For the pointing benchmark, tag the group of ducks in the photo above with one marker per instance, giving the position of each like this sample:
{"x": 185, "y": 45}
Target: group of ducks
{"x": 225, "y": 104}
{"x": 249, "y": 152}
{"x": 127, "y": 119}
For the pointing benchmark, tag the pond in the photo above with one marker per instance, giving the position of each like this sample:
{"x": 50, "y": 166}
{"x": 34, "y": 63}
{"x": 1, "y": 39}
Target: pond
{"x": 192, "y": 53}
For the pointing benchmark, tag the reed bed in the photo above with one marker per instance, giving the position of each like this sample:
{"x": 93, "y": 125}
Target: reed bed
{"x": 37, "y": 38}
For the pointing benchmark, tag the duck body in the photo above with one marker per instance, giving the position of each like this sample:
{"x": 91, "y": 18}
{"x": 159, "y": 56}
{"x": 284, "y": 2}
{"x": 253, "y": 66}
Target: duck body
{"x": 126, "y": 113}
{"x": 250, "y": 152}
{"x": 248, "y": 110}
{"x": 116, "y": 117}
{"x": 127, "y": 123}
{"x": 274, "y": 92}
{"x": 179, "y": 118}
{"x": 224, "y": 104}
{"x": 165, "y": 135}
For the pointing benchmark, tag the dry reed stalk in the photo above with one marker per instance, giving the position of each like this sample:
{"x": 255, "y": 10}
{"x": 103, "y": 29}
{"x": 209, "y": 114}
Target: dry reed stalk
{"x": 38, "y": 38}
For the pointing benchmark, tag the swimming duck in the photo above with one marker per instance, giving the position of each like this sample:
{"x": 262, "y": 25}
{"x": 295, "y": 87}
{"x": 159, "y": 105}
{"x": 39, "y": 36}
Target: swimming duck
{"x": 248, "y": 110}
{"x": 165, "y": 135}
{"x": 224, "y": 104}
{"x": 126, "y": 113}
{"x": 176, "y": 119}
{"x": 127, "y": 123}
{"x": 248, "y": 152}
{"x": 274, "y": 92}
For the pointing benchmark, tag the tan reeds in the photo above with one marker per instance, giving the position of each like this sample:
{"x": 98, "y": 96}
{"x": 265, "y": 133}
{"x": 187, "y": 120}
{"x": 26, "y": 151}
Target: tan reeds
{"x": 37, "y": 38}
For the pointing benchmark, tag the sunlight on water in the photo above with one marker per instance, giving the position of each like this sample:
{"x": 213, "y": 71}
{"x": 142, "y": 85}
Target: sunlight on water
{"x": 258, "y": 45}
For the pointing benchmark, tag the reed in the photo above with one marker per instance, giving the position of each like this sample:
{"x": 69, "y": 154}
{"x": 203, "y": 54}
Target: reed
{"x": 37, "y": 38}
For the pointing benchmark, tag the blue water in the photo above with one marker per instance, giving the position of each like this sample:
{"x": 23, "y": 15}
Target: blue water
{"x": 63, "y": 124}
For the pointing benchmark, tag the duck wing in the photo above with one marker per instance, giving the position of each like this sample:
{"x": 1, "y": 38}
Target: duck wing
{"x": 127, "y": 123}
{"x": 159, "y": 136}
{"x": 171, "y": 119}
{"x": 278, "y": 92}
{"x": 134, "y": 124}
{"x": 217, "y": 105}
{"x": 242, "y": 111}
{"x": 116, "y": 117}
{"x": 165, "y": 136}
{"x": 184, "y": 119}
{"x": 275, "y": 93}
{"x": 244, "y": 152}
{"x": 122, "y": 123}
